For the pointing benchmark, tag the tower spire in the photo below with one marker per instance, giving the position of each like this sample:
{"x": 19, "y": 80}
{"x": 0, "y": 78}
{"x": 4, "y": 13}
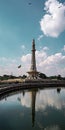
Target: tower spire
{"x": 33, "y": 60}
{"x": 33, "y": 71}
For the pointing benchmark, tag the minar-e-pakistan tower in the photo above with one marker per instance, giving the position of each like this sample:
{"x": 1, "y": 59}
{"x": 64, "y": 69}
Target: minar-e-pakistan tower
{"x": 33, "y": 74}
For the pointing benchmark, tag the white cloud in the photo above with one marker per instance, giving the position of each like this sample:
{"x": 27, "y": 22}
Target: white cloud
{"x": 53, "y": 22}
{"x": 22, "y": 47}
{"x": 50, "y": 65}
{"x": 54, "y": 59}
{"x": 26, "y": 58}
{"x": 40, "y": 37}
{"x": 64, "y": 48}
{"x": 53, "y": 64}
{"x": 45, "y": 48}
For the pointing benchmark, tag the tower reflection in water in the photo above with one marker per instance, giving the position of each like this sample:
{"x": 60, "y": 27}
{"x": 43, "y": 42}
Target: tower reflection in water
{"x": 33, "y": 101}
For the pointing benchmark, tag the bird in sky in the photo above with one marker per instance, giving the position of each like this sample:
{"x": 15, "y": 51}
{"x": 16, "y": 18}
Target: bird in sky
{"x": 29, "y": 3}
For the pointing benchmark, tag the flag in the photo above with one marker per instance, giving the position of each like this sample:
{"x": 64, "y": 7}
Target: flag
{"x": 19, "y": 66}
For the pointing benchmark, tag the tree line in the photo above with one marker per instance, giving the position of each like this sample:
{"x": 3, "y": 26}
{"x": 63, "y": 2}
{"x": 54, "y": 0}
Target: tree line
{"x": 41, "y": 75}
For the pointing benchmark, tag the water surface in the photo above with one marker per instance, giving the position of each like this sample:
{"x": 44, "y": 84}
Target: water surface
{"x": 34, "y": 109}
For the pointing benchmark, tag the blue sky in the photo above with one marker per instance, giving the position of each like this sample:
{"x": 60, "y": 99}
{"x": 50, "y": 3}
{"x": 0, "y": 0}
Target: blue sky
{"x": 20, "y": 22}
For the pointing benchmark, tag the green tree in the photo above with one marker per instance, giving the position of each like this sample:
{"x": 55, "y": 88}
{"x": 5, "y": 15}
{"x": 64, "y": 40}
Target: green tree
{"x": 43, "y": 76}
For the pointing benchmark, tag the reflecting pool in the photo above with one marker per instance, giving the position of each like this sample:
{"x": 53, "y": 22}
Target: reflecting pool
{"x": 33, "y": 109}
